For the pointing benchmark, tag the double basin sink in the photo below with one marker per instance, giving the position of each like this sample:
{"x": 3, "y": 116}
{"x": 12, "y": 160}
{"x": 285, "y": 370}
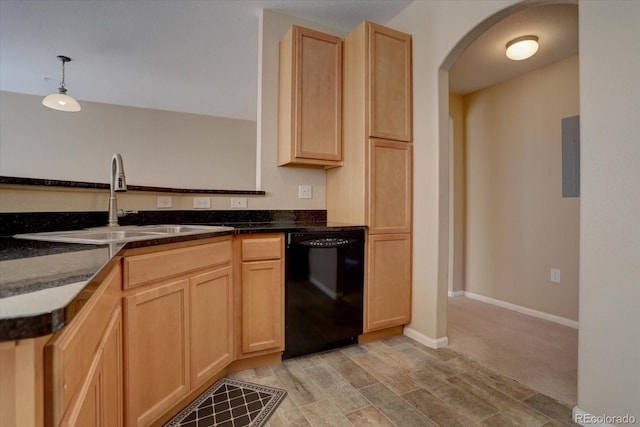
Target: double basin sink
{"x": 107, "y": 235}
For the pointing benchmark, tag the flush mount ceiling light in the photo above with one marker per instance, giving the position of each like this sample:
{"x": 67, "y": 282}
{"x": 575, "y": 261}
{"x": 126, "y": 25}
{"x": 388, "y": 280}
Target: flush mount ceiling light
{"x": 61, "y": 101}
{"x": 522, "y": 48}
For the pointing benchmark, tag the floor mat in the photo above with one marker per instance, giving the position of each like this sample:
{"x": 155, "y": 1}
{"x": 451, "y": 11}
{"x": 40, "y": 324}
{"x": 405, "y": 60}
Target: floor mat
{"x": 230, "y": 403}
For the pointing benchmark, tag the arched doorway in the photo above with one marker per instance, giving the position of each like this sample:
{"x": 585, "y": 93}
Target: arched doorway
{"x": 446, "y": 186}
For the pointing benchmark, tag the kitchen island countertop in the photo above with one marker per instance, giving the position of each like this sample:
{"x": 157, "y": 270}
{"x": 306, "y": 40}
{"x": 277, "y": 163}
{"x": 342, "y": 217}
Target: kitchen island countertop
{"x": 39, "y": 281}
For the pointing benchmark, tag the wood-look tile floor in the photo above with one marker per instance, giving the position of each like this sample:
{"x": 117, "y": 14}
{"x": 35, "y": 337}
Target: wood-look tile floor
{"x": 399, "y": 382}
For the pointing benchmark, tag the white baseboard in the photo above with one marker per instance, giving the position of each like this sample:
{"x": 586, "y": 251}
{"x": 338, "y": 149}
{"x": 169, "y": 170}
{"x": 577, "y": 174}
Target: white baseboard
{"x": 591, "y": 420}
{"x": 425, "y": 340}
{"x": 456, "y": 293}
{"x": 524, "y": 310}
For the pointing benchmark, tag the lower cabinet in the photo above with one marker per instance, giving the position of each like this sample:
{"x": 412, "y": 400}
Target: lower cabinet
{"x": 388, "y": 288}
{"x": 22, "y": 396}
{"x": 156, "y": 360}
{"x": 112, "y": 374}
{"x": 162, "y": 323}
{"x": 83, "y": 363}
{"x": 99, "y": 402}
{"x": 178, "y": 331}
{"x": 211, "y": 323}
{"x": 262, "y": 306}
{"x": 261, "y": 295}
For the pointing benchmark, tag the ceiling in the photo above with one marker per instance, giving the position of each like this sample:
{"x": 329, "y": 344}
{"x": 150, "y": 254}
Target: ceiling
{"x": 201, "y": 56}
{"x": 484, "y": 62}
{"x": 178, "y": 55}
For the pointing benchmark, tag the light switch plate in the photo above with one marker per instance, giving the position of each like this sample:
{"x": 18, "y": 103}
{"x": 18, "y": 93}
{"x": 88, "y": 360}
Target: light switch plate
{"x": 201, "y": 202}
{"x": 164, "y": 202}
{"x": 238, "y": 202}
{"x": 555, "y": 275}
{"x": 305, "y": 192}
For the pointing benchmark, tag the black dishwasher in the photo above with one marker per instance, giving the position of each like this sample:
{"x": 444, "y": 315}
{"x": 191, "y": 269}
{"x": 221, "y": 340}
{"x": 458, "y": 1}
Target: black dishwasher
{"x": 324, "y": 279}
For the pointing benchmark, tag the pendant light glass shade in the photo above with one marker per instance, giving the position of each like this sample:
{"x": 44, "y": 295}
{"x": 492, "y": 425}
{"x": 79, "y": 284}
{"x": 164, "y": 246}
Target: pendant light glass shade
{"x": 522, "y": 48}
{"x": 61, "y": 101}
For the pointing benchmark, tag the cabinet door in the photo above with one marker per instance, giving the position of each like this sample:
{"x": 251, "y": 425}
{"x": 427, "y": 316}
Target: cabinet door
{"x": 99, "y": 400}
{"x": 262, "y": 306}
{"x": 211, "y": 322}
{"x": 86, "y": 409}
{"x": 310, "y": 98}
{"x": 73, "y": 352}
{"x": 388, "y": 288}
{"x": 157, "y": 356}
{"x": 112, "y": 401}
{"x": 390, "y": 187}
{"x": 389, "y": 65}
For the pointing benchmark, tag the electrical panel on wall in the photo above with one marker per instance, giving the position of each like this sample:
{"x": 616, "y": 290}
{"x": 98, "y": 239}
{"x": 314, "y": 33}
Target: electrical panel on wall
{"x": 571, "y": 156}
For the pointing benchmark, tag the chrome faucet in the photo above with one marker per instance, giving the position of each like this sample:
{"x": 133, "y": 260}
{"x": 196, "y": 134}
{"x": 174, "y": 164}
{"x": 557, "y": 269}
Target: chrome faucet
{"x": 117, "y": 183}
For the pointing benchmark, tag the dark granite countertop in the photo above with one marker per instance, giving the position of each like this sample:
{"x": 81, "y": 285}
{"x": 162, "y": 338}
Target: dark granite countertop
{"x": 37, "y": 274}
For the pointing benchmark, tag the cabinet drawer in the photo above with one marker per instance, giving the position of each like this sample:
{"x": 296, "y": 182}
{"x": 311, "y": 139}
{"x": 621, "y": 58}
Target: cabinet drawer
{"x": 142, "y": 269}
{"x": 262, "y": 248}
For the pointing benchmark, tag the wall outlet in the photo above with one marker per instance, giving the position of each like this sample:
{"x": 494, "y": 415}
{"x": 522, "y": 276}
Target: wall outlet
{"x": 555, "y": 275}
{"x": 164, "y": 202}
{"x": 202, "y": 202}
{"x": 238, "y": 202}
{"x": 305, "y": 192}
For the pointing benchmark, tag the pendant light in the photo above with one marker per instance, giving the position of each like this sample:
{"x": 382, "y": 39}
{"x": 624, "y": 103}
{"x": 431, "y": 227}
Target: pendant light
{"x": 522, "y": 48}
{"x": 61, "y": 101}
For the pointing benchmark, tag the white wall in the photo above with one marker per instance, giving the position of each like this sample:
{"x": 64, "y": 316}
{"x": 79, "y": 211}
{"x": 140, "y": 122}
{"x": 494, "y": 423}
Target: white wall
{"x": 436, "y": 26}
{"x": 609, "y": 347}
{"x": 609, "y": 336}
{"x": 159, "y": 148}
{"x": 518, "y": 224}
{"x": 281, "y": 183}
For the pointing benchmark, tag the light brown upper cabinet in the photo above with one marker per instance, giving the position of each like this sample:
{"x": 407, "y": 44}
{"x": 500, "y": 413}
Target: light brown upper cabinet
{"x": 310, "y": 99}
{"x": 389, "y": 82}
{"x": 374, "y": 185}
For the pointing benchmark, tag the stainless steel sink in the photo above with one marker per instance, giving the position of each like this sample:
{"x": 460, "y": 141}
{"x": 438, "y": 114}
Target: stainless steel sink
{"x": 107, "y": 235}
{"x": 180, "y": 229}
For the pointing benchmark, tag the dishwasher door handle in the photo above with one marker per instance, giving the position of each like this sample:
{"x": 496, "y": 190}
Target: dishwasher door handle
{"x": 327, "y": 242}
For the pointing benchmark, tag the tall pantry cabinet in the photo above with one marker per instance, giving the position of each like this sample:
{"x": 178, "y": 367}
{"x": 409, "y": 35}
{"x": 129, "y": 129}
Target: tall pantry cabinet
{"x": 374, "y": 185}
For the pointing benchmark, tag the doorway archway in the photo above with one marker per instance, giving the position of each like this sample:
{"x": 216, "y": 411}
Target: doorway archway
{"x": 445, "y": 189}
{"x": 445, "y": 164}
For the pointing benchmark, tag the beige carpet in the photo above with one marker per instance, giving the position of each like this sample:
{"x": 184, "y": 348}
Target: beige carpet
{"x": 540, "y": 354}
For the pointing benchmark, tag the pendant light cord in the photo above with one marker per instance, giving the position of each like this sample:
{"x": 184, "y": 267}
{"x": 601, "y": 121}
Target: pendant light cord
{"x": 62, "y": 82}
